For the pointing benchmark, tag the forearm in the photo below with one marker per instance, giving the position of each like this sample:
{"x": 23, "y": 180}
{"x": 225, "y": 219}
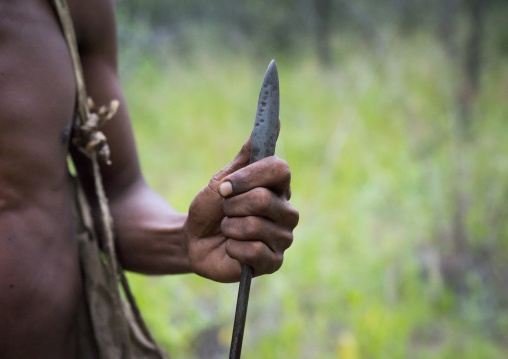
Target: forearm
{"x": 149, "y": 232}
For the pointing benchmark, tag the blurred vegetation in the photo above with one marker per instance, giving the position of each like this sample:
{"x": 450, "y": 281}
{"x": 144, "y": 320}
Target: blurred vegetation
{"x": 394, "y": 124}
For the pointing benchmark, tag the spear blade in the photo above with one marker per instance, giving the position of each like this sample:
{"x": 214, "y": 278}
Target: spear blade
{"x": 264, "y": 138}
{"x": 264, "y": 135}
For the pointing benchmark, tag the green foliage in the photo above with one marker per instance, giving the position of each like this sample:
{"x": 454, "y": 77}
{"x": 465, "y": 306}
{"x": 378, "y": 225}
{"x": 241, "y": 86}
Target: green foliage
{"x": 372, "y": 148}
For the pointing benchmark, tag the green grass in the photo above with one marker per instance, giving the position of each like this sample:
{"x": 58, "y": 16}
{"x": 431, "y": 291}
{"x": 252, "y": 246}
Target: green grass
{"x": 372, "y": 149}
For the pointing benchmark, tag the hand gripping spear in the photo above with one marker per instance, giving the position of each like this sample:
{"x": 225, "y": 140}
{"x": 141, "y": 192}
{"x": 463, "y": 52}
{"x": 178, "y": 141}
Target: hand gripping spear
{"x": 264, "y": 137}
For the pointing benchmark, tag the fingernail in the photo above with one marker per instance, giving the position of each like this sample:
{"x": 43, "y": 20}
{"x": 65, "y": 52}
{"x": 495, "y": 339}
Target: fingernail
{"x": 225, "y": 189}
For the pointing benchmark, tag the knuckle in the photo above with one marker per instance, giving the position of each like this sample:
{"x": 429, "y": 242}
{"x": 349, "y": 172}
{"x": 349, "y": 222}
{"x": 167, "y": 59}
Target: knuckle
{"x": 288, "y": 193}
{"x": 261, "y": 199}
{"x": 295, "y": 217}
{"x": 287, "y": 240}
{"x": 280, "y": 243}
{"x": 275, "y": 264}
{"x": 255, "y": 253}
{"x": 251, "y": 226}
{"x": 289, "y": 216}
{"x": 284, "y": 170}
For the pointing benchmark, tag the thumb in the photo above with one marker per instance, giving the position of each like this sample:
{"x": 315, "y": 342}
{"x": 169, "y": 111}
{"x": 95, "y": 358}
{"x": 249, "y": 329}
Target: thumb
{"x": 241, "y": 160}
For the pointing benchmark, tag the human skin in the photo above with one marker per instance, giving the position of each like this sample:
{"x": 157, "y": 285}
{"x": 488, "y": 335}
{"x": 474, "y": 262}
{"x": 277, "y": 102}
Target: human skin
{"x": 247, "y": 220}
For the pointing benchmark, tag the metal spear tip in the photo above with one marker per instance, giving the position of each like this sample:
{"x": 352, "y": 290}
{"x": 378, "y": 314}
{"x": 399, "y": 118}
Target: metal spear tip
{"x": 271, "y": 71}
{"x": 264, "y": 135}
{"x": 272, "y": 64}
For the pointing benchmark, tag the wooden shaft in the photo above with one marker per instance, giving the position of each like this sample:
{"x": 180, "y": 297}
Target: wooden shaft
{"x": 241, "y": 312}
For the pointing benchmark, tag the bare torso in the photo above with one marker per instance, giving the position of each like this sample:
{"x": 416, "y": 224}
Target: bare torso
{"x": 40, "y": 286}
{"x": 40, "y": 282}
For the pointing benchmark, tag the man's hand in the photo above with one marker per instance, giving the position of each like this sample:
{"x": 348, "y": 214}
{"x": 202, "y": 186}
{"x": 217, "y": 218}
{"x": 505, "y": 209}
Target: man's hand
{"x": 242, "y": 216}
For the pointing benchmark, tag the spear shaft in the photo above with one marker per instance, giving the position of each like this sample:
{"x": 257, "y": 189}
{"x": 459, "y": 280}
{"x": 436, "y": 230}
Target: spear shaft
{"x": 264, "y": 138}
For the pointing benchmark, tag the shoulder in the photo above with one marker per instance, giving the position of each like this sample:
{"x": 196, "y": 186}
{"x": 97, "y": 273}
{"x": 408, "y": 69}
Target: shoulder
{"x": 95, "y": 26}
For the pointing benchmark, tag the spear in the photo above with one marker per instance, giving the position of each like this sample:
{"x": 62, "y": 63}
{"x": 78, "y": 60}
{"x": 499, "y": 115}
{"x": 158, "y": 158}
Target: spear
{"x": 264, "y": 137}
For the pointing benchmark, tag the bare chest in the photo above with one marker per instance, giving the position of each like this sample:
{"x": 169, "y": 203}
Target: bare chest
{"x": 37, "y": 93}
{"x": 36, "y": 79}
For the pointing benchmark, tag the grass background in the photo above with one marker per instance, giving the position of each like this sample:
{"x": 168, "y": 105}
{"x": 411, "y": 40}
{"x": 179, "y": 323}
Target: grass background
{"x": 371, "y": 141}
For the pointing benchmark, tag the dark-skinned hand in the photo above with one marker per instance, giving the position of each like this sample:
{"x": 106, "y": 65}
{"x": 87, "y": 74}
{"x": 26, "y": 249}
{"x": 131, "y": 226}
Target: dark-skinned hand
{"x": 242, "y": 216}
